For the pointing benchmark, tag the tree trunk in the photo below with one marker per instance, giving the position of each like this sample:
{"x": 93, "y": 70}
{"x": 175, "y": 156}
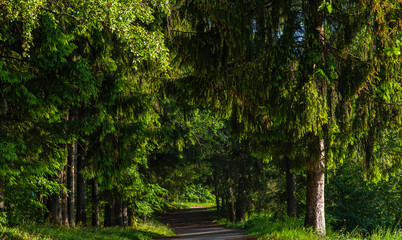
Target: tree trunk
{"x": 290, "y": 189}
{"x": 54, "y": 203}
{"x": 64, "y": 205}
{"x": 72, "y": 153}
{"x": 125, "y": 213}
{"x": 241, "y": 200}
{"x": 315, "y": 209}
{"x": 107, "y": 220}
{"x": 225, "y": 208}
{"x": 2, "y": 207}
{"x": 4, "y": 109}
{"x": 217, "y": 195}
{"x": 130, "y": 215}
{"x": 218, "y": 209}
{"x": 109, "y": 217}
{"x": 118, "y": 211}
{"x": 232, "y": 205}
{"x": 54, "y": 207}
{"x": 81, "y": 216}
{"x": 95, "y": 204}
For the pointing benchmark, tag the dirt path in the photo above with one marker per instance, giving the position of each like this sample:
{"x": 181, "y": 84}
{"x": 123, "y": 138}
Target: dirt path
{"x": 193, "y": 224}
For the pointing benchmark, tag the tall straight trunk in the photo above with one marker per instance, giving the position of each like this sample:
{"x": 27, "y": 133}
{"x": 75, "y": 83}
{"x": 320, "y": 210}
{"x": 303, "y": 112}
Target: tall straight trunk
{"x": 130, "y": 215}
{"x": 107, "y": 220}
{"x": 64, "y": 195}
{"x": 217, "y": 195}
{"x": 95, "y": 203}
{"x": 4, "y": 109}
{"x": 118, "y": 211}
{"x": 54, "y": 203}
{"x": 72, "y": 153}
{"x": 54, "y": 207}
{"x": 241, "y": 200}
{"x": 225, "y": 207}
{"x": 218, "y": 207}
{"x": 232, "y": 205}
{"x": 125, "y": 213}
{"x": 81, "y": 215}
{"x": 2, "y": 207}
{"x": 109, "y": 216}
{"x": 315, "y": 208}
{"x": 290, "y": 189}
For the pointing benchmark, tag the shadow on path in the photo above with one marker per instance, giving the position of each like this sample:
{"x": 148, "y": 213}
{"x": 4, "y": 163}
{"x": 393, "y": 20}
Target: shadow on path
{"x": 193, "y": 224}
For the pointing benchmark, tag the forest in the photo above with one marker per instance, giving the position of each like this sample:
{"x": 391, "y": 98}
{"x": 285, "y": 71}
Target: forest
{"x": 281, "y": 114}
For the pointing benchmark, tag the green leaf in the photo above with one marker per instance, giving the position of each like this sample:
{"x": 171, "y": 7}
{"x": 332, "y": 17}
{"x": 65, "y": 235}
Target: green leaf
{"x": 322, "y": 6}
{"x": 391, "y": 51}
{"x": 329, "y": 8}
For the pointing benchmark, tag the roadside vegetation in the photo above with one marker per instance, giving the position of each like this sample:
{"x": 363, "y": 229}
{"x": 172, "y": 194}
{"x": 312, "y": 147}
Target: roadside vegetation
{"x": 264, "y": 226}
{"x": 140, "y": 231}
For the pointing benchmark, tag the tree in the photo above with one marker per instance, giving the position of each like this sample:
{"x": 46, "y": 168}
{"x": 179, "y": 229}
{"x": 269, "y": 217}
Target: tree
{"x": 241, "y": 54}
{"x": 53, "y": 66}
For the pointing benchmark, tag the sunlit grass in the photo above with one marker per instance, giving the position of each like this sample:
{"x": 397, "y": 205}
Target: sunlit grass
{"x": 263, "y": 226}
{"x": 141, "y": 231}
{"x": 185, "y": 205}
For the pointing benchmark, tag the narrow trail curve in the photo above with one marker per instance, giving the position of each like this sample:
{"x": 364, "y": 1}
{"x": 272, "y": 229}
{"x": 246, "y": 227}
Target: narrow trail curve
{"x": 193, "y": 224}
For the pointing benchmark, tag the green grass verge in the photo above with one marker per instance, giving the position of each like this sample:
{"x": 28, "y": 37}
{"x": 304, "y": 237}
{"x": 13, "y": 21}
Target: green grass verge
{"x": 185, "y": 205}
{"x": 264, "y": 227}
{"x": 142, "y": 231}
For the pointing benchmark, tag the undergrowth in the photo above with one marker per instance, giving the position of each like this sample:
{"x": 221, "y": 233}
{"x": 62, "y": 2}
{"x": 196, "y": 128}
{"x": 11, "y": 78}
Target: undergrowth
{"x": 263, "y": 226}
{"x": 141, "y": 231}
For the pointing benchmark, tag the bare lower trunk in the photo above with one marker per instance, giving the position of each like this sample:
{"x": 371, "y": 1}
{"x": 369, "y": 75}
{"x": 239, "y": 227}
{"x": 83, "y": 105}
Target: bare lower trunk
{"x": 130, "y": 215}
{"x": 72, "y": 153}
{"x": 315, "y": 210}
{"x": 95, "y": 204}
{"x": 54, "y": 207}
{"x": 109, "y": 217}
{"x": 64, "y": 207}
{"x": 118, "y": 211}
{"x": 290, "y": 189}
{"x": 225, "y": 205}
{"x": 217, "y": 195}
{"x": 107, "y": 221}
{"x": 232, "y": 205}
{"x": 2, "y": 207}
{"x": 4, "y": 109}
{"x": 125, "y": 213}
{"x": 81, "y": 215}
{"x": 54, "y": 203}
{"x": 241, "y": 200}
{"x": 218, "y": 207}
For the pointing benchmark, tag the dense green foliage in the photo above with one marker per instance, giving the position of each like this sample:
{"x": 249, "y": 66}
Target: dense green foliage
{"x": 353, "y": 203}
{"x": 111, "y": 109}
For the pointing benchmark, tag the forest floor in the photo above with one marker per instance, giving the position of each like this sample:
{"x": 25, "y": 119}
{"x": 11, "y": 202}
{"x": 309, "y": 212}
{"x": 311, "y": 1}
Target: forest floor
{"x": 194, "y": 224}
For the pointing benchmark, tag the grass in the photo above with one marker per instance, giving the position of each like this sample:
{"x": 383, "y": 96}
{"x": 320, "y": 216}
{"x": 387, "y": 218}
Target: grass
{"x": 142, "y": 231}
{"x": 263, "y": 226}
{"x": 185, "y": 205}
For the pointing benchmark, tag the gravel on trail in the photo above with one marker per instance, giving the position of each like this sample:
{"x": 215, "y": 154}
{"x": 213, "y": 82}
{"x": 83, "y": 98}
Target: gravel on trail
{"x": 193, "y": 224}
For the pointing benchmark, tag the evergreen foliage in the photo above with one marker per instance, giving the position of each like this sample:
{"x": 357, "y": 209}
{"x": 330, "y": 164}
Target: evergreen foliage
{"x": 114, "y": 108}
